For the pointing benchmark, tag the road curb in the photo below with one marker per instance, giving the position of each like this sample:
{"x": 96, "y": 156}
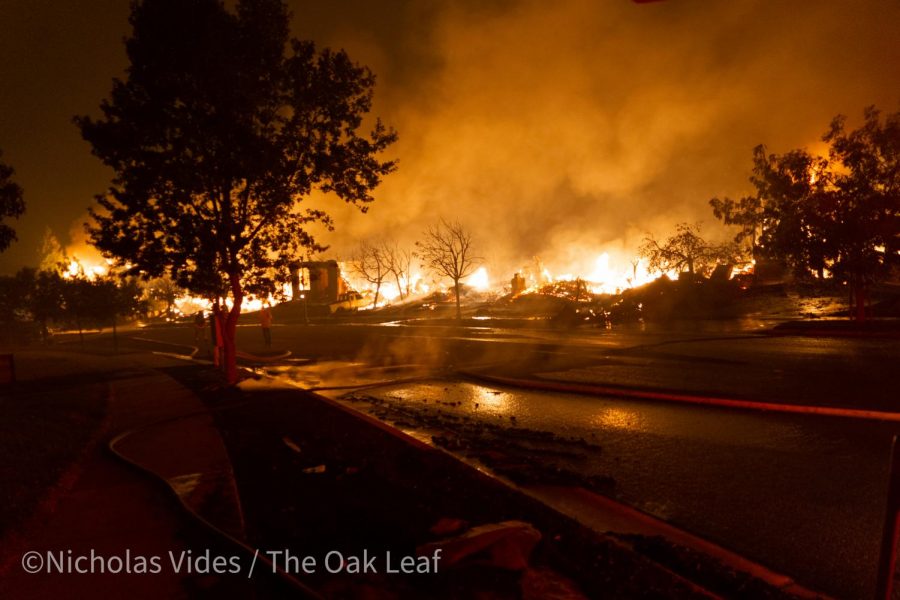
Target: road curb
{"x": 687, "y": 539}
{"x": 290, "y": 580}
{"x": 660, "y": 528}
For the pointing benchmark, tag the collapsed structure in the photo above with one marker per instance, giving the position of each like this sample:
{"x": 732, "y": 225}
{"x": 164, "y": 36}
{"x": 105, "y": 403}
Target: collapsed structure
{"x": 320, "y": 283}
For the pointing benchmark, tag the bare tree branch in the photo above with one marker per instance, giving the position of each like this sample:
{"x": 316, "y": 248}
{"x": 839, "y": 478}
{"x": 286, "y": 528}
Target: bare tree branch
{"x": 372, "y": 264}
{"x": 447, "y": 252}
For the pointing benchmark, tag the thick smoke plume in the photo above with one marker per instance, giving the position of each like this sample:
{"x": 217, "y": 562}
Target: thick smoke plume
{"x": 561, "y": 130}
{"x": 565, "y": 129}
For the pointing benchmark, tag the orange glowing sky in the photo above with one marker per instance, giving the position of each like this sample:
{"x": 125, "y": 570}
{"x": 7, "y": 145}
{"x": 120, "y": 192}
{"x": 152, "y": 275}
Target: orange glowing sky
{"x": 558, "y": 130}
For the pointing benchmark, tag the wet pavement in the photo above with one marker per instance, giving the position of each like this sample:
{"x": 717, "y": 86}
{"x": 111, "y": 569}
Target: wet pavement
{"x": 802, "y": 495}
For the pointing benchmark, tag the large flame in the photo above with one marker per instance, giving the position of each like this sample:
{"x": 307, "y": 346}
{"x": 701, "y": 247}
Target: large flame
{"x": 611, "y": 272}
{"x": 81, "y": 268}
{"x": 479, "y": 280}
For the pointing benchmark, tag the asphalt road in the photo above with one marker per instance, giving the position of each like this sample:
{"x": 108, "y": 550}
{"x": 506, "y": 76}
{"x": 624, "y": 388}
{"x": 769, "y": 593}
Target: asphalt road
{"x": 801, "y": 494}
{"x": 855, "y": 373}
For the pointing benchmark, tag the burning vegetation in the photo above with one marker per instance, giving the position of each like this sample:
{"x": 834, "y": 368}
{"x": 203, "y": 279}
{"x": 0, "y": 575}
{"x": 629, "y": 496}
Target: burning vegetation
{"x": 202, "y": 225}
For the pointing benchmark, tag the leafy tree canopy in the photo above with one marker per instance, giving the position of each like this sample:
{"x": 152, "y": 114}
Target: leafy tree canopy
{"x": 221, "y": 127}
{"x": 839, "y": 213}
{"x": 12, "y": 204}
{"x": 861, "y": 220}
{"x": 686, "y": 251}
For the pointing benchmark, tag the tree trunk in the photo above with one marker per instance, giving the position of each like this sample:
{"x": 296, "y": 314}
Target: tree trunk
{"x": 377, "y": 290}
{"x": 399, "y": 287}
{"x": 230, "y": 330}
{"x": 860, "y": 303}
{"x": 456, "y": 290}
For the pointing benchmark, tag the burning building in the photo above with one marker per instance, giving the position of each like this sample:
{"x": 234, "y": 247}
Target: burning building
{"x": 321, "y": 283}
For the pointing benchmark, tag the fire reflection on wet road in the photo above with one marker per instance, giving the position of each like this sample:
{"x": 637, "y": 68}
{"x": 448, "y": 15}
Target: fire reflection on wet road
{"x": 803, "y": 495}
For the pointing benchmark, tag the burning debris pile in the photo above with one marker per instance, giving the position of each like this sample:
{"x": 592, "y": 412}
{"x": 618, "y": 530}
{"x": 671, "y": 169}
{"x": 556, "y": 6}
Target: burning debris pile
{"x": 571, "y": 302}
{"x": 615, "y": 287}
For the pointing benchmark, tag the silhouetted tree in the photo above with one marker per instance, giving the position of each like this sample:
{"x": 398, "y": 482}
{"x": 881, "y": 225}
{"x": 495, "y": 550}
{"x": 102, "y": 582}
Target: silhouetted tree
{"x": 447, "y": 252}
{"x": 78, "y": 298}
{"x": 41, "y": 297}
{"x": 111, "y": 297}
{"x": 46, "y": 300}
{"x": 861, "y": 216}
{"x": 12, "y": 204}
{"x": 400, "y": 265}
{"x": 37, "y": 296}
{"x": 14, "y": 299}
{"x": 95, "y": 302}
{"x": 164, "y": 290}
{"x": 839, "y": 214}
{"x": 221, "y": 127}
{"x": 781, "y": 222}
{"x": 370, "y": 262}
{"x": 686, "y": 251}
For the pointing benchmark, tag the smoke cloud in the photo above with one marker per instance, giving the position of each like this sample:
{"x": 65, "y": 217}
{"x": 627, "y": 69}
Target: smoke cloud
{"x": 565, "y": 129}
{"x": 562, "y": 130}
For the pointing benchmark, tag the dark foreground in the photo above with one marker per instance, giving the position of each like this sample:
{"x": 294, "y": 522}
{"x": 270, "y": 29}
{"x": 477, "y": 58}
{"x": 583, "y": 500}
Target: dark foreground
{"x": 314, "y": 478}
{"x": 795, "y": 501}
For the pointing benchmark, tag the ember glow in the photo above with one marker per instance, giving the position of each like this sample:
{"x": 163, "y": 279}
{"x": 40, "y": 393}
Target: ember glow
{"x": 610, "y": 273}
{"x": 81, "y": 268}
{"x": 607, "y": 280}
{"x": 479, "y": 280}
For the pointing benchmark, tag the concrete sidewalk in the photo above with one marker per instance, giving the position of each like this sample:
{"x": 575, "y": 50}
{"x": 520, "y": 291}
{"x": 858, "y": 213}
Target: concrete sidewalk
{"x": 106, "y": 508}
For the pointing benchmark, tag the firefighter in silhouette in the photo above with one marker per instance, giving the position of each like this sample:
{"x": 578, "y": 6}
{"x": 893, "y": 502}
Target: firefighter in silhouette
{"x": 517, "y": 284}
{"x": 265, "y": 322}
{"x": 199, "y": 327}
